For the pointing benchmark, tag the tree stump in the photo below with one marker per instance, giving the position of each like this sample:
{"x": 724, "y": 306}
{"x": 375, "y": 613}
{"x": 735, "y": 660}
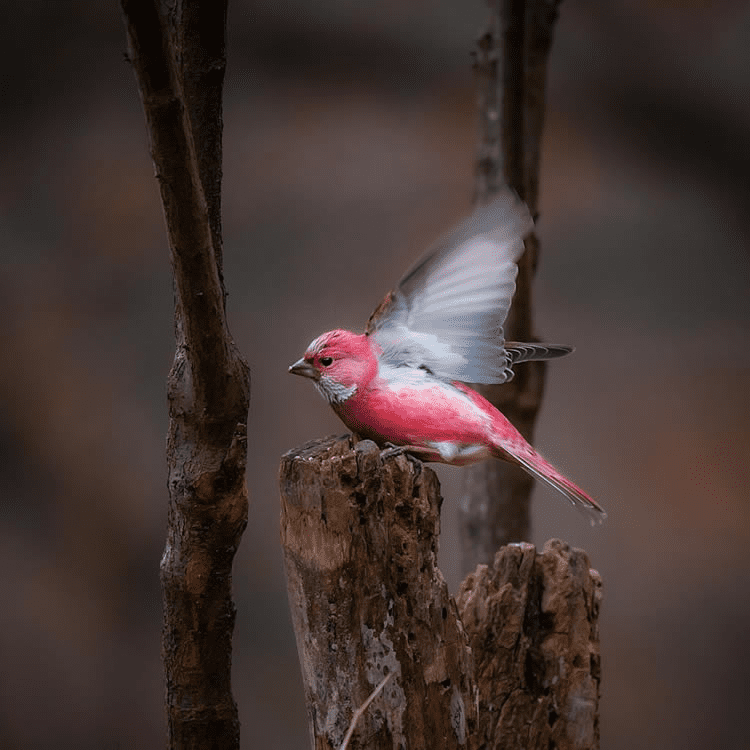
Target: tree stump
{"x": 533, "y": 626}
{"x": 360, "y": 545}
{"x": 514, "y": 665}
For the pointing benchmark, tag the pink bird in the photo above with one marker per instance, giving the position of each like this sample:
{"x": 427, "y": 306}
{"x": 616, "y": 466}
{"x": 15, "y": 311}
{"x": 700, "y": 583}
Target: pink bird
{"x": 403, "y": 381}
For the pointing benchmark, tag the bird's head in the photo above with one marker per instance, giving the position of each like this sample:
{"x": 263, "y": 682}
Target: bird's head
{"x": 340, "y": 363}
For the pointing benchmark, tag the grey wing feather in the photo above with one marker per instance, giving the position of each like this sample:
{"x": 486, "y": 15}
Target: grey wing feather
{"x": 448, "y": 311}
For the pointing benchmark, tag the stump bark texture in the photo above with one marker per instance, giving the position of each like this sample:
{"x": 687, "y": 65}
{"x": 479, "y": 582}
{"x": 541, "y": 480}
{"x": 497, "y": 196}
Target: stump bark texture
{"x": 514, "y": 665}
{"x": 533, "y": 627}
{"x": 367, "y": 598}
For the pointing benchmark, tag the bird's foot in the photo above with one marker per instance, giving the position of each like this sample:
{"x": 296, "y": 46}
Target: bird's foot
{"x": 412, "y": 452}
{"x": 391, "y": 450}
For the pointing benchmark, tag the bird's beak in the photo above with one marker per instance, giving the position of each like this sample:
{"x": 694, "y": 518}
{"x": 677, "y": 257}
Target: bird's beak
{"x": 300, "y": 367}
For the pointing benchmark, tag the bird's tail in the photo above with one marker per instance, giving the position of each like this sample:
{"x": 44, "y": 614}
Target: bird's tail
{"x": 517, "y": 352}
{"x": 538, "y": 467}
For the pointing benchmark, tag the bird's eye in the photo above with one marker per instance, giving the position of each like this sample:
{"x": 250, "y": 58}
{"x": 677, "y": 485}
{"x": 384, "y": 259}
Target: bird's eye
{"x": 326, "y": 361}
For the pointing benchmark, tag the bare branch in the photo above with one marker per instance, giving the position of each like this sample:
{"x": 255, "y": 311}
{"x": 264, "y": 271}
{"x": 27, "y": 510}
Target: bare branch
{"x": 200, "y": 299}
{"x": 202, "y": 44}
{"x": 511, "y": 60}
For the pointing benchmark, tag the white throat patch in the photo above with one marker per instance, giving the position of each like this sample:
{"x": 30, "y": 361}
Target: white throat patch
{"x": 334, "y": 392}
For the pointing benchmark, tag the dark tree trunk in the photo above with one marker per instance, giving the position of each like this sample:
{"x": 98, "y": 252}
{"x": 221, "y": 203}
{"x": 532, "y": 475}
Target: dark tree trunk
{"x": 511, "y": 64}
{"x": 177, "y": 51}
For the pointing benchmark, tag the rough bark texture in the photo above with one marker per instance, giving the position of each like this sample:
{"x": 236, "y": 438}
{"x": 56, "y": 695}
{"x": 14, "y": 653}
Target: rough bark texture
{"x": 511, "y": 61}
{"x": 359, "y": 533}
{"x": 179, "y": 63}
{"x": 532, "y": 622}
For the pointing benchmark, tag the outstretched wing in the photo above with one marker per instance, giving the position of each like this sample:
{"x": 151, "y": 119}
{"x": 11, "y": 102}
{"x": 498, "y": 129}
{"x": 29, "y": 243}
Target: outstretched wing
{"x": 447, "y": 312}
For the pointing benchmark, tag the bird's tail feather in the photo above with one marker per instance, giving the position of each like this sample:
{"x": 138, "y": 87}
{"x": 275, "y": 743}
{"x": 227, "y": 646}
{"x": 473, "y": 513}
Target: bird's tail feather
{"x": 517, "y": 352}
{"x": 538, "y": 467}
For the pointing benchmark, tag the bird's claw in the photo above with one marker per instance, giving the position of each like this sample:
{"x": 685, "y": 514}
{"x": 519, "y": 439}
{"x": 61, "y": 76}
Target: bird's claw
{"x": 390, "y": 450}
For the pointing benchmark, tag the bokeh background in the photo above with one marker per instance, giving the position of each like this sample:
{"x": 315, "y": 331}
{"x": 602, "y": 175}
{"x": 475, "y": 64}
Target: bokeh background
{"x": 349, "y": 146}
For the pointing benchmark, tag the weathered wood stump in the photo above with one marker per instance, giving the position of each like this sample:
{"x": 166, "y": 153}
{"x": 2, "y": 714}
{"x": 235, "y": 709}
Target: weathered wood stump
{"x": 367, "y": 598}
{"x": 360, "y": 530}
{"x": 533, "y": 625}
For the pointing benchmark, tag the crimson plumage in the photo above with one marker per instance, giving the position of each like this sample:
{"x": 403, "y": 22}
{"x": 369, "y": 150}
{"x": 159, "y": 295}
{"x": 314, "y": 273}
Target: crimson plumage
{"x": 404, "y": 381}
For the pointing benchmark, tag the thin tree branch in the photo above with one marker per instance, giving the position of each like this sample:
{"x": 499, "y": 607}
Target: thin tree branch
{"x": 510, "y": 64}
{"x": 512, "y": 81}
{"x": 361, "y": 710}
{"x": 194, "y": 257}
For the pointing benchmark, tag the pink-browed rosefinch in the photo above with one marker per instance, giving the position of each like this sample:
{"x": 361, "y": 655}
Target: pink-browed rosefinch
{"x": 403, "y": 380}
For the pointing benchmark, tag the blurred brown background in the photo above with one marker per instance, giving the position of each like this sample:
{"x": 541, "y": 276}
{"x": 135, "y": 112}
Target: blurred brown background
{"x": 349, "y": 142}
